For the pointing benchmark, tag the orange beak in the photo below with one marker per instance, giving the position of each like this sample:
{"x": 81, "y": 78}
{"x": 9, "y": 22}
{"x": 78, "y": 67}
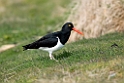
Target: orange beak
{"x": 81, "y": 33}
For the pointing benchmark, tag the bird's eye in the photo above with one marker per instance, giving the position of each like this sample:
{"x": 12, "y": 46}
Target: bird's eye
{"x": 69, "y": 25}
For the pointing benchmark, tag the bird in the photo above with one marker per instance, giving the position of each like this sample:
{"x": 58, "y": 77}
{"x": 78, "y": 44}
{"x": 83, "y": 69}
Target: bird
{"x": 53, "y": 41}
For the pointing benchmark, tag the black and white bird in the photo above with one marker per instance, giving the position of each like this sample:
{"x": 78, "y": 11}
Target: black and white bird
{"x": 53, "y": 41}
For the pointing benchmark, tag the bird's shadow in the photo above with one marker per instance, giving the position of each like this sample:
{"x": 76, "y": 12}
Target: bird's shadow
{"x": 64, "y": 54}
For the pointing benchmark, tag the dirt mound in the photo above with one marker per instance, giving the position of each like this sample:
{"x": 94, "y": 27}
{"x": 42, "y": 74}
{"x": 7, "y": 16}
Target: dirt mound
{"x": 97, "y": 17}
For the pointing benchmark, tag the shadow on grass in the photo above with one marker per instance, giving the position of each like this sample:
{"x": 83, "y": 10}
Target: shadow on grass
{"x": 58, "y": 56}
{"x": 63, "y": 55}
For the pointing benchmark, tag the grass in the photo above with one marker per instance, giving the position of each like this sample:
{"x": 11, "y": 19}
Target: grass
{"x": 19, "y": 16}
{"x": 87, "y": 60}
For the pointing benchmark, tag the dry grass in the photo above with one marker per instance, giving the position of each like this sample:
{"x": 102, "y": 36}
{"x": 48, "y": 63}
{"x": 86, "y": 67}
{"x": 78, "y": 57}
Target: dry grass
{"x": 97, "y": 17}
{"x": 101, "y": 72}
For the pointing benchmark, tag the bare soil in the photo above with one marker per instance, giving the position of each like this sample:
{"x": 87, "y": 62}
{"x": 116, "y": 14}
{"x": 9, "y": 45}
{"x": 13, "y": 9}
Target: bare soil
{"x": 97, "y": 17}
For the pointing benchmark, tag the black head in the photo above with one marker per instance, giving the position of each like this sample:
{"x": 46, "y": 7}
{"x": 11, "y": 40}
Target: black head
{"x": 66, "y": 31}
{"x": 67, "y": 26}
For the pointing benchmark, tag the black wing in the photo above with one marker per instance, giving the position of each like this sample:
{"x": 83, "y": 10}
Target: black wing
{"x": 51, "y": 35}
{"x": 49, "y": 40}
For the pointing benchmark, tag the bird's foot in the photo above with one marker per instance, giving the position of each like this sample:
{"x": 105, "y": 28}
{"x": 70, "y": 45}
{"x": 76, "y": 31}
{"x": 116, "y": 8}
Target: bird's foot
{"x": 52, "y": 58}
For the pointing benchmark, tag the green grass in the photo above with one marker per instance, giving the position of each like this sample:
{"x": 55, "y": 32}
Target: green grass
{"x": 22, "y": 16}
{"x": 90, "y": 60}
{"x": 87, "y": 60}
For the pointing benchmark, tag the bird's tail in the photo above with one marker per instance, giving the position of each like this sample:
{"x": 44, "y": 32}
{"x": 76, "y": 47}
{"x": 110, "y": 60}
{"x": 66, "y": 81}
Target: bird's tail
{"x": 25, "y": 47}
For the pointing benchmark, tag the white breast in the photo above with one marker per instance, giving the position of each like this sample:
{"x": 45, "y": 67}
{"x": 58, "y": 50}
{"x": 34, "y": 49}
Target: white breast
{"x": 56, "y": 47}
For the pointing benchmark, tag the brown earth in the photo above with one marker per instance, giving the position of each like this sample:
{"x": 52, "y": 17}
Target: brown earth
{"x": 97, "y": 17}
{"x": 6, "y": 47}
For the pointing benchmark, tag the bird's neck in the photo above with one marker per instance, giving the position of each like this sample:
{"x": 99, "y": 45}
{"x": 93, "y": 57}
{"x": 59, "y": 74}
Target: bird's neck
{"x": 64, "y": 37}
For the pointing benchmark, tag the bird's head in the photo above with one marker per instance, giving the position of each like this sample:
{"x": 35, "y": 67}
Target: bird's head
{"x": 69, "y": 26}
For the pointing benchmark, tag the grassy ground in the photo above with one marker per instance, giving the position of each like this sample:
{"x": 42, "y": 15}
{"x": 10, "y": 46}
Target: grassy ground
{"x": 19, "y": 17}
{"x": 87, "y": 60}
{"x": 92, "y": 60}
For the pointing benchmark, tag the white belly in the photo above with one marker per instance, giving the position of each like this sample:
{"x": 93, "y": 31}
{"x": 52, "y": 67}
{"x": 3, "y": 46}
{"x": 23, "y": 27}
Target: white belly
{"x": 58, "y": 46}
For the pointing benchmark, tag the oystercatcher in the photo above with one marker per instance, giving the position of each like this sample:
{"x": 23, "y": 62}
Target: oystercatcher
{"x": 53, "y": 41}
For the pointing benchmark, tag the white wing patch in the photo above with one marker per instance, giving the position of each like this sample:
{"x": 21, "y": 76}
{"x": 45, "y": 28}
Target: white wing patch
{"x": 56, "y": 47}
